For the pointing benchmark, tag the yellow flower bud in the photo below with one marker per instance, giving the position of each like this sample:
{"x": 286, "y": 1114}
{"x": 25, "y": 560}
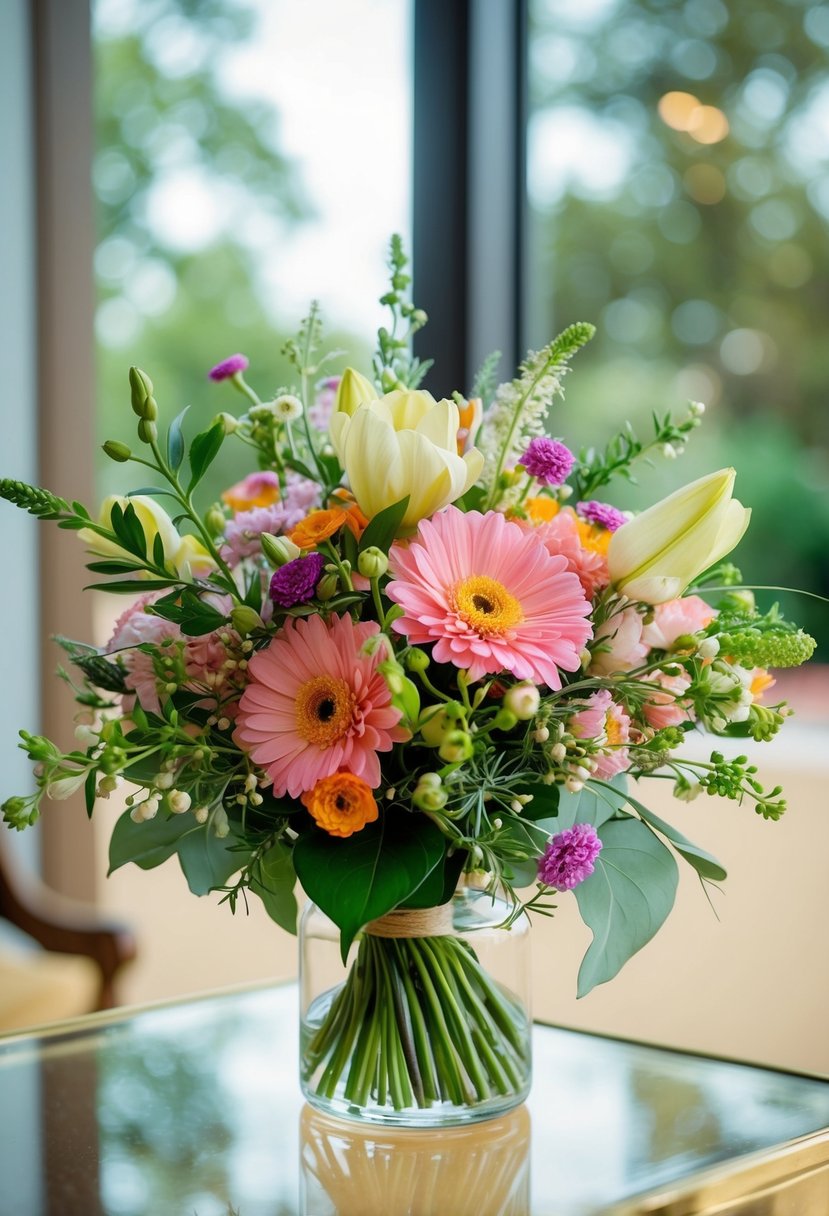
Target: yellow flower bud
{"x": 352, "y": 391}
{"x": 654, "y": 556}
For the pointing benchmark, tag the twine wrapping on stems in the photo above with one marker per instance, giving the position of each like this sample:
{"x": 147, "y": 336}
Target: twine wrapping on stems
{"x": 413, "y": 922}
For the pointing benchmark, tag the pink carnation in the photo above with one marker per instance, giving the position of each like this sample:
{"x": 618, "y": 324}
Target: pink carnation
{"x": 674, "y": 618}
{"x": 560, "y": 537}
{"x": 490, "y": 597}
{"x": 604, "y": 721}
{"x": 622, "y": 646}
{"x": 668, "y": 708}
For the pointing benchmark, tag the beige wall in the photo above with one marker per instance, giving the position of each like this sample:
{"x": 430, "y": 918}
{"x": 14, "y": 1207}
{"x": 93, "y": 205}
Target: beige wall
{"x": 753, "y": 984}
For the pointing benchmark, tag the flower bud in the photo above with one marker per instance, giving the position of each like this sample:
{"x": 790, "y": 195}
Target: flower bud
{"x": 178, "y": 801}
{"x": 392, "y": 673}
{"x": 117, "y": 451}
{"x": 709, "y": 648}
{"x": 417, "y": 660}
{"x": 352, "y": 391}
{"x": 429, "y": 799}
{"x": 435, "y": 726}
{"x": 229, "y": 423}
{"x": 456, "y": 747}
{"x": 221, "y": 824}
{"x": 215, "y": 519}
{"x": 245, "y": 619}
{"x": 372, "y": 562}
{"x": 523, "y": 700}
{"x": 654, "y": 556}
{"x": 141, "y": 389}
{"x": 147, "y": 431}
{"x": 278, "y": 549}
{"x": 328, "y": 585}
{"x": 505, "y": 719}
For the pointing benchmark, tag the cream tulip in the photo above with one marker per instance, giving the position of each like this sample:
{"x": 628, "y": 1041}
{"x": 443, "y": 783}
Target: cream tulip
{"x": 404, "y": 443}
{"x": 183, "y": 554}
{"x": 656, "y": 555}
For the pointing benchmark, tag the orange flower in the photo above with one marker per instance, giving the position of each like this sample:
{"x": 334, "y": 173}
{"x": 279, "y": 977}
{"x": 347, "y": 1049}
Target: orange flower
{"x": 542, "y": 509}
{"x": 255, "y": 490}
{"x": 761, "y": 680}
{"x": 317, "y": 526}
{"x": 341, "y": 804}
{"x": 593, "y": 538}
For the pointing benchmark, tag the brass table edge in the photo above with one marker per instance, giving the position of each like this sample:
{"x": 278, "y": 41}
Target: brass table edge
{"x": 734, "y": 1181}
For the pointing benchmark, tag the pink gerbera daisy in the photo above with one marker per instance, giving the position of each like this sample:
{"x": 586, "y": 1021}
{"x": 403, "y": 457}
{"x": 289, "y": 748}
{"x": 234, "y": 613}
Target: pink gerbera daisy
{"x": 490, "y": 597}
{"x": 316, "y": 705}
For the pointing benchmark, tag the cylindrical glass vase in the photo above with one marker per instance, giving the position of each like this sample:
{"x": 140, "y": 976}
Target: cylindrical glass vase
{"x": 428, "y": 1023}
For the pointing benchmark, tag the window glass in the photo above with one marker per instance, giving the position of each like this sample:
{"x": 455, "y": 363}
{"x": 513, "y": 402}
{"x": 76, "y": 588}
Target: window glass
{"x": 678, "y": 197}
{"x": 250, "y": 154}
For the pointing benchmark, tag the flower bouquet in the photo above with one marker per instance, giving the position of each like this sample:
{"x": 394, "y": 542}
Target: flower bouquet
{"x": 416, "y": 661}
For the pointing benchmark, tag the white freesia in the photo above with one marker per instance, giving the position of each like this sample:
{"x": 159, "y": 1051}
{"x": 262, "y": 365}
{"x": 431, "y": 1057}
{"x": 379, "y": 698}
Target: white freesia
{"x": 404, "y": 443}
{"x": 656, "y": 555}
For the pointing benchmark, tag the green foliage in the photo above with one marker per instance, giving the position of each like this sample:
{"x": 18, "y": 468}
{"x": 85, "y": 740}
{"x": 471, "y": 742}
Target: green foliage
{"x": 273, "y": 879}
{"x": 382, "y": 528}
{"x": 36, "y": 501}
{"x": 366, "y": 875}
{"x": 625, "y": 900}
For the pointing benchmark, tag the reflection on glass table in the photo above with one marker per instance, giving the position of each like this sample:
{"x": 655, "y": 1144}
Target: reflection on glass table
{"x": 195, "y": 1108}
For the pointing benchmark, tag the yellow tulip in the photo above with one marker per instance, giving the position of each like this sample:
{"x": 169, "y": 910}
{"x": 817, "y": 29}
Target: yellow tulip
{"x": 183, "y": 554}
{"x": 352, "y": 391}
{"x": 404, "y": 443}
{"x": 658, "y": 553}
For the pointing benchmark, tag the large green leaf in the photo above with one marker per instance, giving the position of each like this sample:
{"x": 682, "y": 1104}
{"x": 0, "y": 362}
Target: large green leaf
{"x": 208, "y": 860}
{"x": 147, "y": 844}
{"x": 625, "y": 900}
{"x": 366, "y": 875}
{"x": 704, "y": 863}
{"x": 273, "y": 881}
{"x": 593, "y": 804}
{"x": 175, "y": 441}
{"x": 439, "y": 886}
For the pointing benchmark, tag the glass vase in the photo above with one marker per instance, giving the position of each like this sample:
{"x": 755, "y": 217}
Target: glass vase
{"x": 427, "y": 1024}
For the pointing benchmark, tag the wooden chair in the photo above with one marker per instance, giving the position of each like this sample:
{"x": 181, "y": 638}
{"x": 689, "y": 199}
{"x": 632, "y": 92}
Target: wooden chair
{"x": 65, "y": 927}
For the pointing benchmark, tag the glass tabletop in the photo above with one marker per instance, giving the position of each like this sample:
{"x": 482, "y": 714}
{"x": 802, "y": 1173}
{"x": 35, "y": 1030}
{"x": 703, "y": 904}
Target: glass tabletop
{"x": 195, "y": 1109}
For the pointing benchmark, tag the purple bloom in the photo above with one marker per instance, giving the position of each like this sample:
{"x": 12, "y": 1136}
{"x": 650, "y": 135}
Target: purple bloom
{"x": 296, "y": 581}
{"x": 228, "y": 367}
{"x": 548, "y": 461}
{"x": 570, "y": 857}
{"x": 602, "y": 514}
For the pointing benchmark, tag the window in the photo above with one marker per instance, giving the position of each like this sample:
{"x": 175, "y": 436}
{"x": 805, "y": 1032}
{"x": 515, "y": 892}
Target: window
{"x": 678, "y": 197}
{"x": 248, "y": 153}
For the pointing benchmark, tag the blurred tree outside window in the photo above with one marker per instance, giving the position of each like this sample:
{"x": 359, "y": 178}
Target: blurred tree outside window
{"x": 250, "y": 155}
{"x": 678, "y": 197}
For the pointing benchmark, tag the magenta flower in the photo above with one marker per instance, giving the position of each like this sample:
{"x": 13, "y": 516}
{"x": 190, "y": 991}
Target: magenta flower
{"x": 296, "y": 581}
{"x": 570, "y": 857}
{"x": 228, "y": 367}
{"x": 601, "y": 514}
{"x": 548, "y": 461}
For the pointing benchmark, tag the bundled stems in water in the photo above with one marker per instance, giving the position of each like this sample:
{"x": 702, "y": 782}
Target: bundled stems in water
{"x": 418, "y": 1021}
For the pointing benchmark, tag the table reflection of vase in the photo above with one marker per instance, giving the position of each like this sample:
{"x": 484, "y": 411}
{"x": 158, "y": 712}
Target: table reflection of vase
{"x": 351, "y": 1169}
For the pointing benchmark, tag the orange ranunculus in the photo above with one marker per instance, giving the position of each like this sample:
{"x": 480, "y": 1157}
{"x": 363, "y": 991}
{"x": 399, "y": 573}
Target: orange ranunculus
{"x": 541, "y": 509}
{"x": 594, "y": 538}
{"x": 255, "y": 490}
{"x": 341, "y": 804}
{"x": 356, "y": 521}
{"x": 318, "y": 526}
